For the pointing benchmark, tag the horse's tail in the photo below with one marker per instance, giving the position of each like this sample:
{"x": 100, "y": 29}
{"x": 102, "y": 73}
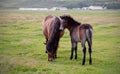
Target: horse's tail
{"x": 89, "y": 34}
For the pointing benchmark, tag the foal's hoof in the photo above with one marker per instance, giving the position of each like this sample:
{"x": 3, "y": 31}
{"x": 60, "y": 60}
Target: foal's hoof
{"x": 75, "y": 57}
{"x": 90, "y": 63}
{"x": 71, "y": 58}
{"x": 83, "y": 64}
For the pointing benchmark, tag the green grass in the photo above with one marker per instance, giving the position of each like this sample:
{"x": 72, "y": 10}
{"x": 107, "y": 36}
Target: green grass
{"x": 22, "y": 50}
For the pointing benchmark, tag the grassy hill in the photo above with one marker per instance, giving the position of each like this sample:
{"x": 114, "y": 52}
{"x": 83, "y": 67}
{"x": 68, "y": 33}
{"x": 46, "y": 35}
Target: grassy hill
{"x": 52, "y": 3}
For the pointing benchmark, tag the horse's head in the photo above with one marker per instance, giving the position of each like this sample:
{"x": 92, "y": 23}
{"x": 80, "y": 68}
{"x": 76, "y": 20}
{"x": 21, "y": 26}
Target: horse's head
{"x": 50, "y": 51}
{"x": 50, "y": 55}
{"x": 65, "y": 19}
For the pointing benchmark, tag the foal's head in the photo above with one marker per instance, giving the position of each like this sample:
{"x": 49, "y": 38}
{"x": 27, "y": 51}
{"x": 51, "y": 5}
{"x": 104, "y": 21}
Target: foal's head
{"x": 67, "y": 21}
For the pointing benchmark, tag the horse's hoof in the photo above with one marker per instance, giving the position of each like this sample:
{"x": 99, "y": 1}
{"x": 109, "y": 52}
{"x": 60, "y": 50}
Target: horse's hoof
{"x": 44, "y": 43}
{"x": 45, "y": 51}
{"x": 55, "y": 56}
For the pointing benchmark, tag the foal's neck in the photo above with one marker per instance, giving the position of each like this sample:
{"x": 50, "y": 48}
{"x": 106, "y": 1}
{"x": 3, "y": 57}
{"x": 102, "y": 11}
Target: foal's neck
{"x": 72, "y": 25}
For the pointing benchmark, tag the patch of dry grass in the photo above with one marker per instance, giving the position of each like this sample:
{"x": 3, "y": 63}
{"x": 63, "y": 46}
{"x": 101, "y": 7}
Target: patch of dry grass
{"x": 30, "y": 62}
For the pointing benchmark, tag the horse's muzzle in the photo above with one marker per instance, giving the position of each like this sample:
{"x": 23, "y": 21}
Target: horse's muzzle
{"x": 50, "y": 59}
{"x": 61, "y": 28}
{"x": 50, "y": 56}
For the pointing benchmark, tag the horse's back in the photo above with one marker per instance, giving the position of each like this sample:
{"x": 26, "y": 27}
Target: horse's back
{"x": 46, "y": 25}
{"x": 49, "y": 23}
{"x": 48, "y": 17}
{"x": 49, "y": 20}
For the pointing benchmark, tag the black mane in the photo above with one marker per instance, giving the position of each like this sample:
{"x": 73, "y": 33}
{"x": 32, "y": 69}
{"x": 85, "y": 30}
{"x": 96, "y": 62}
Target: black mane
{"x": 70, "y": 19}
{"x": 54, "y": 35}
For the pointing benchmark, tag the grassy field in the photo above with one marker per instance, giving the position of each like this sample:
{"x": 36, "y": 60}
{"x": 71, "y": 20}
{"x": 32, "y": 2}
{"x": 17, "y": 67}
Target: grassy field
{"x": 22, "y": 50}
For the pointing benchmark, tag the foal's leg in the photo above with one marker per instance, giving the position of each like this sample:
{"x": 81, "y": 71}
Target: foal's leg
{"x": 76, "y": 51}
{"x": 74, "y": 45}
{"x": 90, "y": 51}
{"x": 84, "y": 53}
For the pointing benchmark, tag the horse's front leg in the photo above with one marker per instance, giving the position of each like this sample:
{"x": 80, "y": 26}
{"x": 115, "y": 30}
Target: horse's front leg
{"x": 74, "y": 45}
{"x": 55, "y": 51}
{"x": 46, "y": 44}
{"x": 55, "y": 55}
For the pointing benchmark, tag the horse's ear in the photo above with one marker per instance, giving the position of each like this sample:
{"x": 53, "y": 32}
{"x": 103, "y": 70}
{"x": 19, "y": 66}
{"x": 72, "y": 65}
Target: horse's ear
{"x": 61, "y": 17}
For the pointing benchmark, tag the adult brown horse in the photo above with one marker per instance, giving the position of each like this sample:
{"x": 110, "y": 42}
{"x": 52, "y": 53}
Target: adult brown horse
{"x": 51, "y": 25}
{"x": 78, "y": 33}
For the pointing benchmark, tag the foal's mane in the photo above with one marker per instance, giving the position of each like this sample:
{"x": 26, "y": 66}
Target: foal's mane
{"x": 70, "y": 19}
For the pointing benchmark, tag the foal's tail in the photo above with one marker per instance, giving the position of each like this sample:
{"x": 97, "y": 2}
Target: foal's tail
{"x": 89, "y": 40}
{"x": 89, "y": 33}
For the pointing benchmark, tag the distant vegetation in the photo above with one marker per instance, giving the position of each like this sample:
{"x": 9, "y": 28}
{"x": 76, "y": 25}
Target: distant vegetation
{"x": 110, "y": 4}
